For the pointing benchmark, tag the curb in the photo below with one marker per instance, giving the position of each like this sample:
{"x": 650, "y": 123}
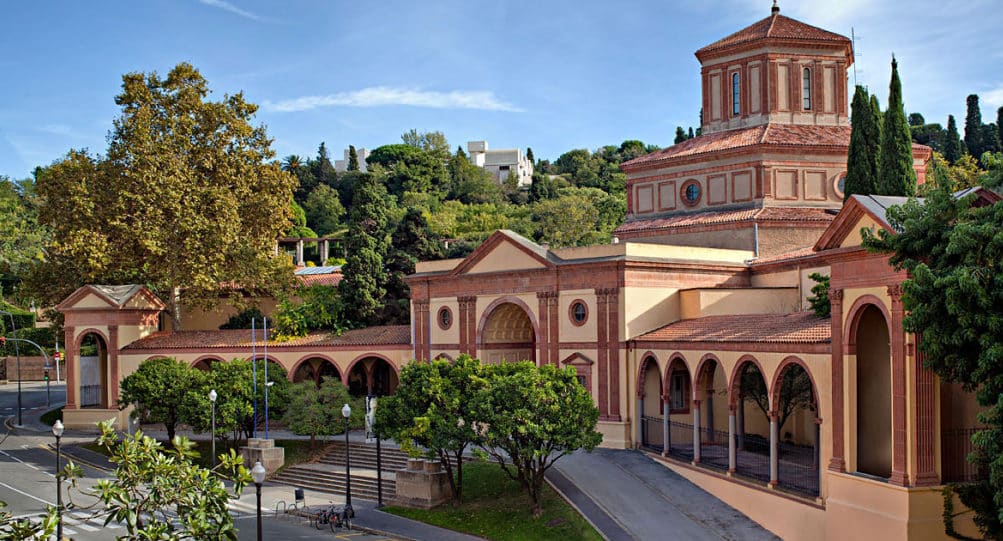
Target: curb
{"x": 76, "y": 459}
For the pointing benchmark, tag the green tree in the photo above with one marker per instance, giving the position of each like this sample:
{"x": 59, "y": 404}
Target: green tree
{"x": 999, "y": 128}
{"x": 353, "y": 158}
{"x": 27, "y": 527}
{"x": 952, "y": 297}
{"x": 532, "y": 160}
{"x": 432, "y": 413}
{"x": 407, "y": 168}
{"x": 323, "y": 210}
{"x": 315, "y": 410}
{"x": 411, "y": 241}
{"x": 680, "y": 135}
{"x": 434, "y": 143}
{"x": 323, "y": 170}
{"x": 186, "y": 197}
{"x": 160, "y": 390}
{"x": 529, "y": 417}
{"x": 22, "y": 239}
{"x": 314, "y": 308}
{"x": 472, "y": 184}
{"x": 364, "y": 286}
{"x": 973, "y": 126}
{"x": 896, "y": 175}
{"x": 952, "y": 145}
{"x": 298, "y": 228}
{"x": 159, "y": 494}
{"x": 916, "y": 120}
{"x": 819, "y": 299}
{"x": 865, "y": 144}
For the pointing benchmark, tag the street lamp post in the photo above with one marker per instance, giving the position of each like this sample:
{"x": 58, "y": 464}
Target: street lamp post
{"x": 212, "y": 400}
{"x": 258, "y": 474}
{"x": 57, "y": 431}
{"x": 17, "y": 353}
{"x": 346, "y": 412}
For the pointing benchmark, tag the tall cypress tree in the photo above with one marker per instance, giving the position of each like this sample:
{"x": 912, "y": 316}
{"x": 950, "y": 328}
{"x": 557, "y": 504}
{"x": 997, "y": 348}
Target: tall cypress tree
{"x": 364, "y": 286}
{"x": 999, "y": 126}
{"x": 680, "y": 135}
{"x": 353, "y": 158}
{"x": 973, "y": 127}
{"x": 865, "y": 139}
{"x": 529, "y": 156}
{"x": 952, "y": 146}
{"x": 895, "y": 173}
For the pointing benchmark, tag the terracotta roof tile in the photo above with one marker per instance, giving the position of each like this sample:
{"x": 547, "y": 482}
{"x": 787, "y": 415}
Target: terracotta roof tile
{"x": 771, "y": 135}
{"x": 795, "y": 328}
{"x": 331, "y": 279}
{"x": 767, "y": 214}
{"x": 241, "y": 338}
{"x": 775, "y": 27}
{"x": 807, "y": 251}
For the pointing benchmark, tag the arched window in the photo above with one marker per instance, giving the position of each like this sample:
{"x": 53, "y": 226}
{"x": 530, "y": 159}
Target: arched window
{"x": 806, "y": 89}
{"x": 736, "y": 108}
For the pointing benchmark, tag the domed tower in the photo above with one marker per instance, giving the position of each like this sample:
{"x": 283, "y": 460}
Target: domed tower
{"x": 766, "y": 174}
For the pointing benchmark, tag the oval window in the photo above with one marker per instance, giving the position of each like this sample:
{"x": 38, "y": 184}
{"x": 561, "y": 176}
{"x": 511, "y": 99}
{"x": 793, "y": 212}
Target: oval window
{"x": 579, "y": 312}
{"x": 445, "y": 318}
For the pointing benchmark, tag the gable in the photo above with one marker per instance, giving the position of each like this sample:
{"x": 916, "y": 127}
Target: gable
{"x": 91, "y": 300}
{"x": 144, "y": 300}
{"x": 505, "y": 256}
{"x": 853, "y": 237}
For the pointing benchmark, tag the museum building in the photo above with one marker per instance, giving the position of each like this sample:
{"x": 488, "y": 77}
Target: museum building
{"x": 691, "y": 330}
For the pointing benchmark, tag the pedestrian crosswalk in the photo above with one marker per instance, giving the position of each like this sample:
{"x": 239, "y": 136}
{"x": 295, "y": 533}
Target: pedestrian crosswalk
{"x": 75, "y": 522}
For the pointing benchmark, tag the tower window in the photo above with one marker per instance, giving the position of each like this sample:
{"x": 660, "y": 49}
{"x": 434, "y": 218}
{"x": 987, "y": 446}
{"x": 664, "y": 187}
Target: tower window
{"x": 806, "y": 89}
{"x": 736, "y": 108}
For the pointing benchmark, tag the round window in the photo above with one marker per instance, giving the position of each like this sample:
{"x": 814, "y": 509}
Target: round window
{"x": 579, "y": 312}
{"x": 445, "y": 318}
{"x": 691, "y": 193}
{"x": 838, "y": 184}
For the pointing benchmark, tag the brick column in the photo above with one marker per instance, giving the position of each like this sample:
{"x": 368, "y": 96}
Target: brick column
{"x": 613, "y": 337}
{"x": 555, "y": 333}
{"x": 422, "y": 330}
{"x": 601, "y": 339}
{"x": 543, "y": 345}
{"x": 900, "y": 474}
{"x": 926, "y": 393}
{"x": 837, "y": 463}
{"x": 72, "y": 359}
{"x": 472, "y": 326}
{"x": 113, "y": 364}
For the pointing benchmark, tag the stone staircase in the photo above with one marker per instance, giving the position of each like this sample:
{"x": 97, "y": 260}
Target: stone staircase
{"x": 328, "y": 474}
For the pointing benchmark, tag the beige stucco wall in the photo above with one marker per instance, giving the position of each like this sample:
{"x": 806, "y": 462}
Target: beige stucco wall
{"x": 705, "y": 302}
{"x": 569, "y": 332}
{"x": 648, "y": 308}
{"x": 505, "y": 256}
{"x": 197, "y": 319}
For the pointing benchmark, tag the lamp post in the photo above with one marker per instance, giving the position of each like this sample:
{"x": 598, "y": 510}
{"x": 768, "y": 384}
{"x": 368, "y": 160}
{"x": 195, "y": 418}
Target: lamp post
{"x": 212, "y": 400}
{"x": 17, "y": 352}
{"x": 346, "y": 412}
{"x": 258, "y": 474}
{"x": 57, "y": 431}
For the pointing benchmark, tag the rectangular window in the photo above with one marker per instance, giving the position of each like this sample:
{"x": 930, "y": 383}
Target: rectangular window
{"x": 677, "y": 391}
{"x": 806, "y": 89}
{"x": 736, "y": 108}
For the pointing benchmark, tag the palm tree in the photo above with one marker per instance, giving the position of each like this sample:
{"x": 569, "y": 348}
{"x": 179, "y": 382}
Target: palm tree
{"x": 291, "y": 163}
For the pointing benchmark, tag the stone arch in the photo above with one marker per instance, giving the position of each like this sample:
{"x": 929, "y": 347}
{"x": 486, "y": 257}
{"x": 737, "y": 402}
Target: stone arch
{"x": 647, "y": 358}
{"x": 380, "y": 376}
{"x": 798, "y": 427}
{"x": 444, "y": 356}
{"x": 95, "y": 377}
{"x": 683, "y": 387}
{"x": 871, "y": 347}
{"x": 787, "y": 363}
{"x": 315, "y": 367}
{"x": 205, "y": 362}
{"x": 707, "y": 361}
{"x": 853, "y": 317}
{"x": 649, "y": 402}
{"x": 734, "y": 380}
{"x": 507, "y": 327}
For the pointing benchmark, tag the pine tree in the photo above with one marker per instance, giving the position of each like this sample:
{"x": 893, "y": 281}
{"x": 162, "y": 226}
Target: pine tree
{"x": 680, "y": 135}
{"x": 529, "y": 155}
{"x": 353, "y": 159}
{"x": 690, "y": 134}
{"x": 896, "y": 175}
{"x": 323, "y": 169}
{"x": 952, "y": 146}
{"x": 460, "y": 152}
{"x": 364, "y": 286}
{"x": 865, "y": 140}
{"x": 973, "y": 127}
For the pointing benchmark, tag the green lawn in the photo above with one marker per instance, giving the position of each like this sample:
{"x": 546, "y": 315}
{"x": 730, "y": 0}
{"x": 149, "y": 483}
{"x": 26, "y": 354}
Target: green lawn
{"x": 297, "y": 451}
{"x": 495, "y": 507}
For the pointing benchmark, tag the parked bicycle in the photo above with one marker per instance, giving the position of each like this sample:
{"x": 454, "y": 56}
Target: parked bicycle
{"x": 335, "y": 516}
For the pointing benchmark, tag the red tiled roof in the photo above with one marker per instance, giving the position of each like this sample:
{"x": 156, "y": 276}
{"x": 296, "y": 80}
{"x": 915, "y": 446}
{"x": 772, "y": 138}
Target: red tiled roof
{"x": 331, "y": 279}
{"x": 794, "y": 254}
{"x": 795, "y": 328}
{"x": 770, "y": 134}
{"x": 767, "y": 214}
{"x": 776, "y": 27}
{"x": 241, "y": 338}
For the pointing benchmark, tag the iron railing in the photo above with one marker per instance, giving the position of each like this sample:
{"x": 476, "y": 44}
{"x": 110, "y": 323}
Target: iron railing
{"x": 797, "y": 468}
{"x": 90, "y": 395}
{"x": 714, "y": 449}
{"x": 753, "y": 457}
{"x": 955, "y": 447}
{"x": 651, "y": 433}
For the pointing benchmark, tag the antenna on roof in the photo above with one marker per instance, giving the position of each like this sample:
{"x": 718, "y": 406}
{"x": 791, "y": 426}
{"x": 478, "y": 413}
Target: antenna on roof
{"x": 775, "y": 9}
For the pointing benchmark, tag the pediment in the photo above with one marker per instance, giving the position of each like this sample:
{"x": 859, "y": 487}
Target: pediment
{"x": 505, "y": 251}
{"x": 577, "y": 359}
{"x": 845, "y": 229}
{"x": 92, "y": 297}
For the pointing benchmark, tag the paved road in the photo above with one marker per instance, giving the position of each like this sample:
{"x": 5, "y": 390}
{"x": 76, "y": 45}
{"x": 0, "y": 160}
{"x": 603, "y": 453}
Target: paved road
{"x": 33, "y": 398}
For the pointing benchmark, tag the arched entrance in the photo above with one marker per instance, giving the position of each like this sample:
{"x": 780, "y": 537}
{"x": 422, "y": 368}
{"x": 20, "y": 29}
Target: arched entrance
{"x": 798, "y": 426}
{"x": 507, "y": 335}
{"x": 711, "y": 423}
{"x": 752, "y": 403}
{"x": 649, "y": 404}
{"x": 93, "y": 371}
{"x": 678, "y": 399}
{"x": 874, "y": 399}
{"x": 316, "y": 370}
{"x": 205, "y": 365}
{"x": 372, "y": 376}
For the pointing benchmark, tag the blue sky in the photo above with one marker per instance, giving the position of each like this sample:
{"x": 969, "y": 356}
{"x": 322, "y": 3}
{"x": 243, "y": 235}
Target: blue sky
{"x": 553, "y": 74}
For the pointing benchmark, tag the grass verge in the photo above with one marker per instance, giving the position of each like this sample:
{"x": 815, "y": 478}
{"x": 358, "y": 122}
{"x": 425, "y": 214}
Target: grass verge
{"x": 495, "y": 507}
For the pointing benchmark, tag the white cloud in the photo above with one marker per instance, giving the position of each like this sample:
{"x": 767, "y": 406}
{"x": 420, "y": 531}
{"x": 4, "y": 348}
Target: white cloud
{"x": 378, "y": 96}
{"x": 992, "y": 97}
{"x": 226, "y": 6}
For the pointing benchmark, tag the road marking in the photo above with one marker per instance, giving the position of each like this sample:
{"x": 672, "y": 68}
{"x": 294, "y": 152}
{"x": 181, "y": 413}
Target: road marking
{"x": 32, "y": 466}
{"x": 36, "y": 498}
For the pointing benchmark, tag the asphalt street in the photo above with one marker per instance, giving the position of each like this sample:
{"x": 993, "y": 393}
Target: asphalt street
{"x": 28, "y": 484}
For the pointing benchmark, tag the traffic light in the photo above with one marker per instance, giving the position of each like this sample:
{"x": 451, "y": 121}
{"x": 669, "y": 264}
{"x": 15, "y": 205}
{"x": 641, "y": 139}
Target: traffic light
{"x": 46, "y": 375}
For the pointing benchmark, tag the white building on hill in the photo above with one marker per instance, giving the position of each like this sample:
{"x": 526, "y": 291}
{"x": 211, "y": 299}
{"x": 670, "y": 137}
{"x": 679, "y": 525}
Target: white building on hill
{"x": 501, "y": 162}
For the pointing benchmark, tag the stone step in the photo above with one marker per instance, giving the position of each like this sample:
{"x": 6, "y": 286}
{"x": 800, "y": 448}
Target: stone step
{"x": 334, "y": 483}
